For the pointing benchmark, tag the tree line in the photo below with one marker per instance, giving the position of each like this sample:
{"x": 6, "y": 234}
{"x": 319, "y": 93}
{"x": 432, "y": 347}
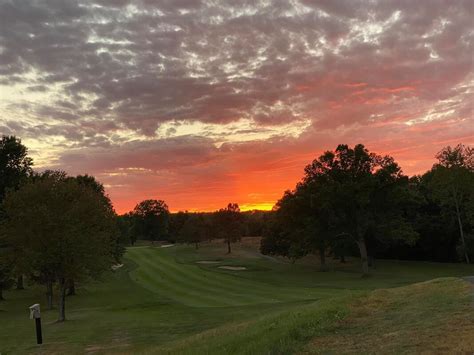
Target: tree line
{"x": 351, "y": 201}
{"x": 151, "y": 220}
{"x": 60, "y": 230}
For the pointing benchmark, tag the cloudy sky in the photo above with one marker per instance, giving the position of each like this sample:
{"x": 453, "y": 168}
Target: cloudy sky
{"x": 201, "y": 103}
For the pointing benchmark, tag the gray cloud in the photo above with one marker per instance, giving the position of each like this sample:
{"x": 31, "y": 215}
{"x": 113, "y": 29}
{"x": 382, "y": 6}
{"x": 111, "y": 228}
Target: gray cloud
{"x": 115, "y": 71}
{"x": 141, "y": 63}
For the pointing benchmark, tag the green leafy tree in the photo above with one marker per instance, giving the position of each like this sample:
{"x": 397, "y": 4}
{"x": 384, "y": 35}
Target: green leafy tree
{"x": 255, "y": 222}
{"x": 177, "y": 221}
{"x": 15, "y": 165}
{"x": 365, "y": 193}
{"x": 228, "y": 223}
{"x": 452, "y": 180}
{"x": 151, "y": 220}
{"x": 117, "y": 246}
{"x": 6, "y": 267}
{"x": 302, "y": 225}
{"x": 65, "y": 229}
{"x": 15, "y": 168}
{"x": 125, "y": 226}
{"x": 194, "y": 230}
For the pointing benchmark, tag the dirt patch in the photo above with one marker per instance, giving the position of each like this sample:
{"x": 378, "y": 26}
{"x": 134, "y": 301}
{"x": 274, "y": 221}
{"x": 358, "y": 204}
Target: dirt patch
{"x": 167, "y": 245}
{"x": 233, "y": 268}
{"x": 207, "y": 262}
{"x": 117, "y": 266}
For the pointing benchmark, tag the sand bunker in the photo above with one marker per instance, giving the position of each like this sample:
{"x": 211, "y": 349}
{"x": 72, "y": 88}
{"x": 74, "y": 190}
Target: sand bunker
{"x": 207, "y": 262}
{"x": 234, "y": 268}
{"x": 167, "y": 245}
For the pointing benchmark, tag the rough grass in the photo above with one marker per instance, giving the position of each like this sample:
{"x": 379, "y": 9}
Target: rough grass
{"x": 434, "y": 317}
{"x": 161, "y": 301}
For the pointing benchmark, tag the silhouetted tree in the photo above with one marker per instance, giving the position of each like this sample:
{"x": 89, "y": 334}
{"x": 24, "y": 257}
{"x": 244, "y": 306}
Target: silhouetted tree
{"x": 228, "y": 223}
{"x": 177, "y": 221}
{"x": 194, "y": 230}
{"x": 452, "y": 180}
{"x": 365, "y": 193}
{"x": 6, "y": 266}
{"x": 15, "y": 168}
{"x": 151, "y": 218}
{"x": 125, "y": 225}
{"x": 345, "y": 193}
{"x": 15, "y": 165}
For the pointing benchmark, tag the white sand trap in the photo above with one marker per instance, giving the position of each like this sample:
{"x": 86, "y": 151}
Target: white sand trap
{"x": 167, "y": 245}
{"x": 235, "y": 268}
{"x": 116, "y": 266}
{"x": 207, "y": 262}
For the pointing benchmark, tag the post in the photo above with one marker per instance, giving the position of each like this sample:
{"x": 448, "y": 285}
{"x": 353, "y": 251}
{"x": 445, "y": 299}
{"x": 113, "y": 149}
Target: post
{"x": 35, "y": 314}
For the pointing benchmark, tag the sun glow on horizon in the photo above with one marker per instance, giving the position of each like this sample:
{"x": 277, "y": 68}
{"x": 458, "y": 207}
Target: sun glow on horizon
{"x": 261, "y": 206}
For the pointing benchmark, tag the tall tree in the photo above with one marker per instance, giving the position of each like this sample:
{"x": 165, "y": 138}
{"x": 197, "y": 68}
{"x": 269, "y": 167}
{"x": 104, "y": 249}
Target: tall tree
{"x": 6, "y": 266}
{"x": 177, "y": 221}
{"x": 15, "y": 165}
{"x": 125, "y": 225}
{"x": 365, "y": 193}
{"x": 66, "y": 230}
{"x": 286, "y": 233}
{"x": 452, "y": 179}
{"x": 228, "y": 223}
{"x": 151, "y": 220}
{"x": 194, "y": 230}
{"x": 15, "y": 168}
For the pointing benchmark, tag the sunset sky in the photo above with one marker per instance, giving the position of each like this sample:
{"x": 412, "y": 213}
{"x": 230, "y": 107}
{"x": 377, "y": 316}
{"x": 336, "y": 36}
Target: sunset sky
{"x": 201, "y": 103}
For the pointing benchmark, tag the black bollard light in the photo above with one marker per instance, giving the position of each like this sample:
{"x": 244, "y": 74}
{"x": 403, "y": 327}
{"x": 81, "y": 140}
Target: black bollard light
{"x": 35, "y": 314}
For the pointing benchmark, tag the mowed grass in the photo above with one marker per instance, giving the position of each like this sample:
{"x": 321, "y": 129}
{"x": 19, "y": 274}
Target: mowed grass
{"x": 162, "y": 301}
{"x": 195, "y": 286}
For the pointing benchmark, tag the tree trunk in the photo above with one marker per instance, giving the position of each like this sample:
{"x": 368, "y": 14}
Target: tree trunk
{"x": 1, "y": 294}
{"x": 62, "y": 300}
{"x": 197, "y": 245}
{"x": 363, "y": 257}
{"x": 19, "y": 283}
{"x": 49, "y": 293}
{"x": 461, "y": 232}
{"x": 342, "y": 258}
{"x": 71, "y": 290}
{"x": 228, "y": 247}
{"x": 322, "y": 258}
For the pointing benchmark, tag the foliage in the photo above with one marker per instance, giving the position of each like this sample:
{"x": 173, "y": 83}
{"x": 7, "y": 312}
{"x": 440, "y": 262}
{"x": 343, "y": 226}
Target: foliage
{"x": 125, "y": 226}
{"x": 177, "y": 221}
{"x": 15, "y": 168}
{"x": 151, "y": 220}
{"x": 452, "y": 184}
{"x": 194, "y": 230}
{"x": 63, "y": 227}
{"x": 228, "y": 224}
{"x": 288, "y": 233}
{"x": 6, "y": 267}
{"x": 15, "y": 165}
{"x": 347, "y": 192}
{"x": 255, "y": 222}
